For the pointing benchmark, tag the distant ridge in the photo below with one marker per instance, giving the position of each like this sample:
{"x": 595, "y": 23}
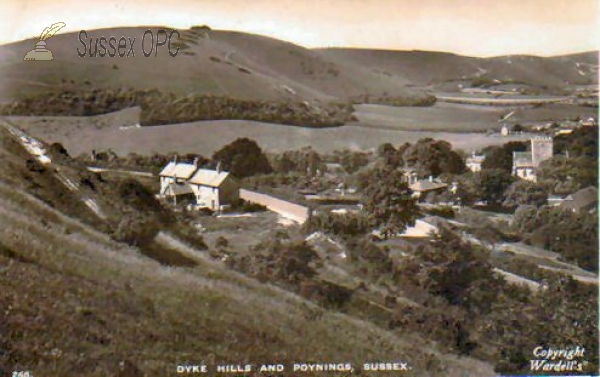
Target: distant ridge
{"x": 255, "y": 67}
{"x": 225, "y": 63}
{"x": 435, "y": 69}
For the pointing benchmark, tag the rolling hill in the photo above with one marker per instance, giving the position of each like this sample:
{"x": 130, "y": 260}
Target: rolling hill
{"x": 434, "y": 70}
{"x": 224, "y": 63}
{"x": 254, "y": 67}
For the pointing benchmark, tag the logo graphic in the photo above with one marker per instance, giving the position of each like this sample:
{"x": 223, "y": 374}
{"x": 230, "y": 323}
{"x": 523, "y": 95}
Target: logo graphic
{"x": 41, "y": 52}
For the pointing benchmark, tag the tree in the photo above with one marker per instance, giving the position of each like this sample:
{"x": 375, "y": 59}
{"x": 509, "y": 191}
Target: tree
{"x": 500, "y": 157}
{"x": 564, "y": 314}
{"x": 583, "y": 141}
{"x": 138, "y": 196}
{"x": 243, "y": 158}
{"x": 389, "y": 202}
{"x": 566, "y": 175}
{"x": 455, "y": 270}
{"x": 305, "y": 160}
{"x": 351, "y": 161}
{"x": 390, "y": 155}
{"x": 524, "y": 192}
{"x": 573, "y": 235}
{"x": 491, "y": 184}
{"x": 433, "y": 157}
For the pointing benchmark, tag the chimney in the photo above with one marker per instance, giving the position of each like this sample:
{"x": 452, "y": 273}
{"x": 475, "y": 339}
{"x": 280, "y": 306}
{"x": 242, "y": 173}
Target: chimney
{"x": 431, "y": 178}
{"x": 196, "y": 162}
{"x": 175, "y": 158}
{"x": 218, "y": 166}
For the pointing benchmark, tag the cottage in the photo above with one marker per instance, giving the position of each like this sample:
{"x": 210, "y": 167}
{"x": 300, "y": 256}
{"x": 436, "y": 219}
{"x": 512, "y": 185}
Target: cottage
{"x": 214, "y": 189}
{"x": 475, "y": 162}
{"x": 207, "y": 188}
{"x": 173, "y": 180}
{"x": 585, "y": 199}
{"x": 425, "y": 186}
{"x": 409, "y": 176}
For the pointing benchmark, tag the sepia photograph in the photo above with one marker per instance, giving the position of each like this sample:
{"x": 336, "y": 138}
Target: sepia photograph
{"x": 277, "y": 188}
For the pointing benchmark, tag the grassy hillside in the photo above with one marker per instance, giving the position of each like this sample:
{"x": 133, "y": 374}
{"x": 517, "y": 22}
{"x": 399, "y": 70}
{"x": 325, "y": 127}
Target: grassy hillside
{"x": 75, "y": 302}
{"x": 426, "y": 68}
{"x": 221, "y": 63}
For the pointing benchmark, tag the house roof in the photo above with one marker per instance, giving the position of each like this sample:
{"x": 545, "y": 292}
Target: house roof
{"x": 174, "y": 189}
{"x": 581, "y": 199}
{"x": 475, "y": 159}
{"x": 179, "y": 170}
{"x": 426, "y": 185}
{"x": 522, "y": 159}
{"x": 207, "y": 177}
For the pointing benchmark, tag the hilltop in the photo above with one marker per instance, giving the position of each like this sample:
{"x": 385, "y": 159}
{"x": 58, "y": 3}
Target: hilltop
{"x": 445, "y": 71}
{"x": 222, "y": 63}
{"x": 253, "y": 67}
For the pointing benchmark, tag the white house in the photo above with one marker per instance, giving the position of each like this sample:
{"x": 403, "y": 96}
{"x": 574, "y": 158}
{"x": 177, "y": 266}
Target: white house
{"x": 214, "y": 188}
{"x": 208, "y": 188}
{"x": 174, "y": 177}
{"x": 474, "y": 162}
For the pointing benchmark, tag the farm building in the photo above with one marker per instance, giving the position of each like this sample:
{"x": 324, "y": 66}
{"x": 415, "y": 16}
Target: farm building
{"x": 205, "y": 187}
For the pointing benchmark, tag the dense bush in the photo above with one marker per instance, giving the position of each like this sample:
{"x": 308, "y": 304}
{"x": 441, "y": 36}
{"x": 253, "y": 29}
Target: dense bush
{"x": 351, "y": 161}
{"x": 304, "y": 160}
{"x": 414, "y": 101}
{"x": 135, "y": 194}
{"x": 136, "y": 228}
{"x": 566, "y": 175}
{"x": 573, "y": 235}
{"x": 454, "y": 270}
{"x": 349, "y": 224}
{"x": 167, "y": 108}
{"x": 524, "y": 192}
{"x": 287, "y": 262}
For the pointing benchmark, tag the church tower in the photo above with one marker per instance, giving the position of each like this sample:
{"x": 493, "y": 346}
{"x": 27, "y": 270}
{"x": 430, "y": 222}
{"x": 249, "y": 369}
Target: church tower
{"x": 542, "y": 149}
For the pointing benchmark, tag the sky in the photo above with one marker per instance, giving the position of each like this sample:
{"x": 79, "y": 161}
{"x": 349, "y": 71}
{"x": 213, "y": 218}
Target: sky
{"x": 468, "y": 27}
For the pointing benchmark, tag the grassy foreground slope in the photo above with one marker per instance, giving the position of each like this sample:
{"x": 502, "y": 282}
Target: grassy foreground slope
{"x": 74, "y": 302}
